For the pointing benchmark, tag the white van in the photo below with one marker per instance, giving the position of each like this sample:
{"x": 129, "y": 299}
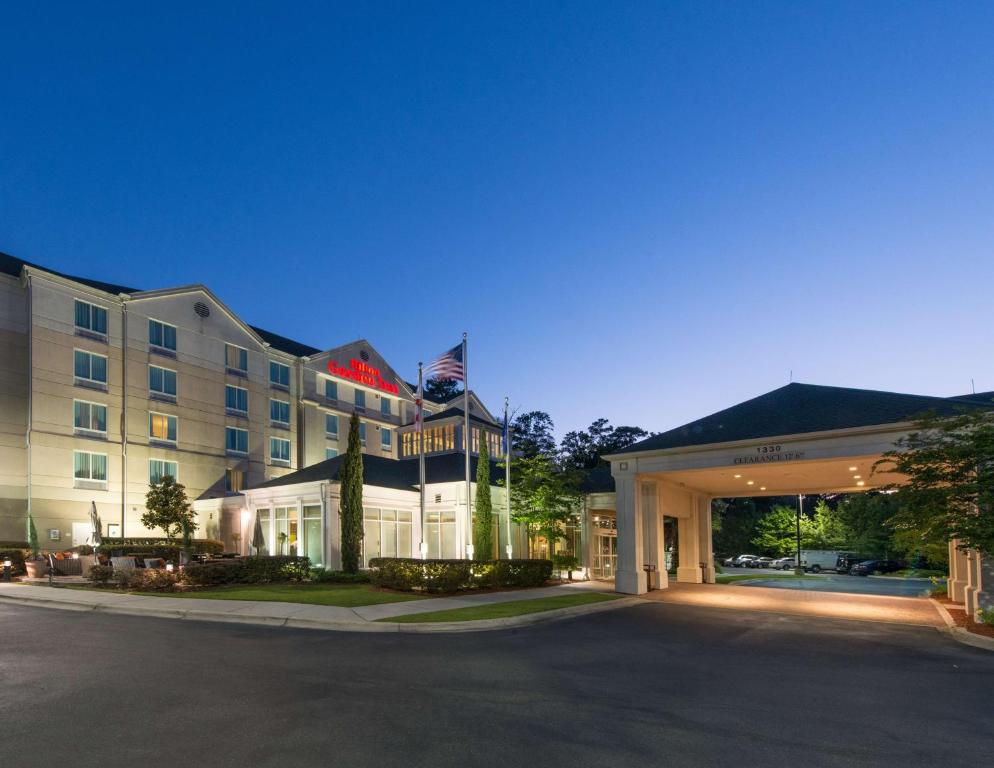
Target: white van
{"x": 817, "y": 560}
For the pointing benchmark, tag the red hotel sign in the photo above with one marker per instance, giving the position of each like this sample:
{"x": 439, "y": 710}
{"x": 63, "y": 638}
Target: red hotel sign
{"x": 364, "y": 374}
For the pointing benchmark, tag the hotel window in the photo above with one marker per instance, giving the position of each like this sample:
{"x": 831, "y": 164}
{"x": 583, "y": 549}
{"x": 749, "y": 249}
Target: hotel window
{"x": 89, "y": 417}
{"x": 90, "y": 367}
{"x": 286, "y": 530}
{"x": 235, "y": 440}
{"x": 331, "y": 425}
{"x": 161, "y": 426}
{"x": 235, "y": 398}
{"x": 362, "y": 433}
{"x": 236, "y": 359}
{"x": 386, "y": 439}
{"x": 279, "y": 374}
{"x": 89, "y": 467}
{"x": 385, "y": 406}
{"x": 279, "y": 449}
{"x": 360, "y": 400}
{"x": 331, "y": 389}
{"x": 264, "y": 518}
{"x": 386, "y": 533}
{"x": 440, "y": 531}
{"x": 279, "y": 412}
{"x": 330, "y": 453}
{"x": 234, "y": 480}
{"x": 312, "y": 534}
{"x": 91, "y": 318}
{"x": 162, "y": 381}
{"x": 162, "y": 335}
{"x": 158, "y": 469}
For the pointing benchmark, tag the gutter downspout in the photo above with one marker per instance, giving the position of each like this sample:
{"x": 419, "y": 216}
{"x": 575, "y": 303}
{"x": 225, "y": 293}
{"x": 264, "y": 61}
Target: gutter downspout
{"x": 124, "y": 412}
{"x": 27, "y": 433}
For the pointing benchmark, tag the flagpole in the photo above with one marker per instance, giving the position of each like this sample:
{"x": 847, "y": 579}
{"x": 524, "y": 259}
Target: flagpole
{"x": 419, "y": 420}
{"x": 468, "y": 445}
{"x": 507, "y": 478}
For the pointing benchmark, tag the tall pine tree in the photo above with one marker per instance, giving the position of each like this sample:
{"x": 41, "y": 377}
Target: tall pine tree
{"x": 483, "y": 520}
{"x": 351, "y": 500}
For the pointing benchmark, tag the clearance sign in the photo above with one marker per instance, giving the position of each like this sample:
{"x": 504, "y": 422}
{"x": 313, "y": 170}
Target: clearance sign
{"x": 362, "y": 373}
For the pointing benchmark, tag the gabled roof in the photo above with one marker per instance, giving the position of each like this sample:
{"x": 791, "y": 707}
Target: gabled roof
{"x": 449, "y": 413}
{"x": 380, "y": 472}
{"x": 797, "y": 409}
{"x": 985, "y": 398}
{"x": 11, "y": 265}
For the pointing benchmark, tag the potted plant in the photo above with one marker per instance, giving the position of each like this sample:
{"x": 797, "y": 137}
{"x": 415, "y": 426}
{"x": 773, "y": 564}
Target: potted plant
{"x": 35, "y": 565}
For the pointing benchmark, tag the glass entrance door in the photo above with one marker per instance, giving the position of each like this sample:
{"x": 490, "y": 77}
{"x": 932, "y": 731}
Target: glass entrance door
{"x": 605, "y": 556}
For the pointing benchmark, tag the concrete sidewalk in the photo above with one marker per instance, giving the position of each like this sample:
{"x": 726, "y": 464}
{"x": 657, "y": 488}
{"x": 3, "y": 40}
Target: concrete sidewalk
{"x": 271, "y": 613}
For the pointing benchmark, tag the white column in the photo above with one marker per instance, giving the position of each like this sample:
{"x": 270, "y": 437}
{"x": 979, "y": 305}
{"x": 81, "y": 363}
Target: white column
{"x": 970, "y": 601}
{"x": 957, "y": 572}
{"x": 705, "y": 536}
{"x": 985, "y": 592}
{"x": 689, "y": 569}
{"x": 652, "y": 523}
{"x": 629, "y": 578}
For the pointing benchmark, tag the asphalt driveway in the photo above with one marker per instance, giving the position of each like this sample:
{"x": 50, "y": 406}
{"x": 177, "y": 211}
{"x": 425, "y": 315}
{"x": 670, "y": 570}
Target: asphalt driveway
{"x": 833, "y": 582}
{"x": 658, "y": 684}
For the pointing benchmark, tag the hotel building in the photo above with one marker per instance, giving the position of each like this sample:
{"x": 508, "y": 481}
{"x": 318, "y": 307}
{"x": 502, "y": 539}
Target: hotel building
{"x": 106, "y": 388}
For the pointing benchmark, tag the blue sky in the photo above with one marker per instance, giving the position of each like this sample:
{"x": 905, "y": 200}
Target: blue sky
{"x": 641, "y": 211}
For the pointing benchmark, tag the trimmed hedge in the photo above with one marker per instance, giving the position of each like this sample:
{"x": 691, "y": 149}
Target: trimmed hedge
{"x": 247, "y": 570}
{"x": 321, "y": 576}
{"x": 151, "y": 547}
{"x": 409, "y": 574}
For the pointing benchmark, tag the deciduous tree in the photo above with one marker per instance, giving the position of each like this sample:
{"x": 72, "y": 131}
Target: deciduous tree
{"x": 167, "y": 507}
{"x": 532, "y": 435}
{"x": 544, "y": 498}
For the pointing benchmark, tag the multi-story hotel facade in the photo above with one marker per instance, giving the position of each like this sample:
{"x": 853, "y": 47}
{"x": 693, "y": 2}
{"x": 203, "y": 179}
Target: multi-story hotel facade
{"x": 105, "y": 388}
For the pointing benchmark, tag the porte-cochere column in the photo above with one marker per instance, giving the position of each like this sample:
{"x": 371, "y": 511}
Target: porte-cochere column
{"x": 629, "y": 577}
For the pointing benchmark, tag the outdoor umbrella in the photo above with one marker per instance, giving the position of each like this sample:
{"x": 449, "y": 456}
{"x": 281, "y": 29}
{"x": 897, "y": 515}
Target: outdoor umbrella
{"x": 97, "y": 526}
{"x": 258, "y": 540}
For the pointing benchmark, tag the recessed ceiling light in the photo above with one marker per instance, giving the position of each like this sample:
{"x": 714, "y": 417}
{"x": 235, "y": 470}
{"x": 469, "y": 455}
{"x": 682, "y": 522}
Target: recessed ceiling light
{"x": 856, "y": 477}
{"x": 737, "y": 475}
{"x": 762, "y": 487}
{"x": 853, "y": 469}
{"x": 749, "y": 482}
{"x": 860, "y": 483}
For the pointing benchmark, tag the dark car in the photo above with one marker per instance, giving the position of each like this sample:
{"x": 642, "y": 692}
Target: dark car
{"x": 847, "y": 560}
{"x": 869, "y": 567}
{"x": 759, "y": 562}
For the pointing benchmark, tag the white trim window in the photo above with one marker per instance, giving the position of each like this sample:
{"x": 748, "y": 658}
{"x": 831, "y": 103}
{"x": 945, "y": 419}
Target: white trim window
{"x": 236, "y": 359}
{"x": 235, "y": 440}
{"x": 89, "y": 468}
{"x": 89, "y": 367}
{"x": 235, "y": 399}
{"x": 159, "y": 468}
{"x": 161, "y": 335}
{"x": 279, "y": 375}
{"x": 89, "y": 417}
{"x": 279, "y": 450}
{"x": 162, "y": 382}
{"x": 385, "y": 406}
{"x": 331, "y": 425}
{"x": 330, "y": 453}
{"x": 386, "y": 439}
{"x": 90, "y": 318}
{"x": 162, "y": 427}
{"x": 279, "y": 412}
{"x": 330, "y": 389}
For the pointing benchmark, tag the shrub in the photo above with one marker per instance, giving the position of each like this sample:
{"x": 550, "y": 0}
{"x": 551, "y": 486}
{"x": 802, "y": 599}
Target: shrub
{"x": 321, "y": 576}
{"x": 409, "y": 574}
{"x": 16, "y": 551}
{"x": 986, "y": 616}
{"x": 938, "y": 588}
{"x": 100, "y": 574}
{"x": 158, "y": 547}
{"x": 146, "y": 579}
{"x": 247, "y": 570}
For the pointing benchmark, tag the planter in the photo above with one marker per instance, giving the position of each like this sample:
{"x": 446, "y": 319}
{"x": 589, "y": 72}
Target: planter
{"x": 36, "y": 569}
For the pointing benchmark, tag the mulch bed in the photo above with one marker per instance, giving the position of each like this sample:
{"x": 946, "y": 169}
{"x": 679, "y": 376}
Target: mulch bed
{"x": 966, "y": 622}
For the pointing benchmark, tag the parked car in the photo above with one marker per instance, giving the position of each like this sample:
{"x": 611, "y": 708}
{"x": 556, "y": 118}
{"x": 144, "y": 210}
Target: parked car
{"x": 742, "y": 560}
{"x": 847, "y": 560}
{"x": 759, "y": 562}
{"x": 784, "y": 563}
{"x": 869, "y": 567}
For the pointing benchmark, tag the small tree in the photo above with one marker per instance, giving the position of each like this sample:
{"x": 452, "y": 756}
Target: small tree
{"x": 483, "y": 520}
{"x": 949, "y": 466}
{"x": 32, "y": 537}
{"x": 543, "y": 497}
{"x": 441, "y": 390}
{"x": 351, "y": 500}
{"x": 166, "y": 507}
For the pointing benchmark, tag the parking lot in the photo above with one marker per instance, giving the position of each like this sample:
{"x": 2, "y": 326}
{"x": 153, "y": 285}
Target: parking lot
{"x": 833, "y": 582}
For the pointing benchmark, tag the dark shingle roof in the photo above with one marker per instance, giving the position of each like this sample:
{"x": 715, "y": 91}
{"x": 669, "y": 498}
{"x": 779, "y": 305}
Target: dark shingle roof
{"x": 985, "y": 398}
{"x": 798, "y": 409}
{"x": 450, "y": 412}
{"x": 380, "y": 472}
{"x": 11, "y": 265}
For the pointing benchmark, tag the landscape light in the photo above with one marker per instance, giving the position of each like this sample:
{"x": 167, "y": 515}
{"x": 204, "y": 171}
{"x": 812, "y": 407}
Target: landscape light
{"x": 169, "y": 567}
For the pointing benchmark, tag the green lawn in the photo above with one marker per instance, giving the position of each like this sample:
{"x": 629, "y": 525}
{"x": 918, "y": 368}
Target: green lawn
{"x": 342, "y": 595}
{"x": 723, "y": 579}
{"x": 504, "y": 610}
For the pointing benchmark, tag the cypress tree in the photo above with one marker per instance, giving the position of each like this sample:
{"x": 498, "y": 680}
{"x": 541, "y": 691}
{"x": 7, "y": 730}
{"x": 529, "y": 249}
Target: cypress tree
{"x": 351, "y": 500}
{"x": 32, "y": 536}
{"x": 483, "y": 520}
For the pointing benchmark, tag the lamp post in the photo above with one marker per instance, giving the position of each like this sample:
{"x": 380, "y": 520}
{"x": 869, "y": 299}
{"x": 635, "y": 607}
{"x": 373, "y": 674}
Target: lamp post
{"x": 798, "y": 568}
{"x": 6, "y": 568}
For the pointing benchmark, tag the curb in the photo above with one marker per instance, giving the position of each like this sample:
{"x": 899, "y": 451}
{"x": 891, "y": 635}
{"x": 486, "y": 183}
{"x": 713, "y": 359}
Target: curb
{"x": 960, "y": 635}
{"x": 482, "y": 625}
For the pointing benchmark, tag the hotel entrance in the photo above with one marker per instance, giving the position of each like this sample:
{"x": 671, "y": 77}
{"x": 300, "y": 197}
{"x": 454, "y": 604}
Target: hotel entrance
{"x": 605, "y": 546}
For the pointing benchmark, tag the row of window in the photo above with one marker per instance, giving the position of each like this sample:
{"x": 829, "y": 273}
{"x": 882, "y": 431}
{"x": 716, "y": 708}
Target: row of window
{"x": 162, "y": 338}
{"x": 331, "y": 393}
{"x": 92, "y": 467}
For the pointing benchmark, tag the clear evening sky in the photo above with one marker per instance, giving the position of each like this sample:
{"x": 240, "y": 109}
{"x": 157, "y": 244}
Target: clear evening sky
{"x": 642, "y": 211}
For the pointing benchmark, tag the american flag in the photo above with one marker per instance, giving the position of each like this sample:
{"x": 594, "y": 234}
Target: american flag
{"x": 448, "y": 366}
